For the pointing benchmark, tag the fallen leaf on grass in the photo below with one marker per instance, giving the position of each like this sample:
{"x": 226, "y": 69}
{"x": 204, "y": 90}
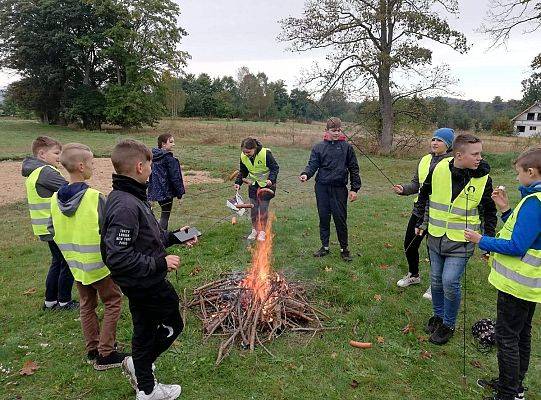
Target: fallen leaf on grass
{"x": 28, "y": 368}
{"x": 422, "y": 338}
{"x": 30, "y": 291}
{"x": 377, "y": 297}
{"x": 334, "y": 355}
{"x": 408, "y": 328}
{"x": 354, "y": 278}
{"x": 425, "y": 355}
{"x": 384, "y": 267}
{"x": 380, "y": 340}
{"x": 388, "y": 245}
{"x": 354, "y": 384}
{"x": 195, "y": 271}
{"x": 328, "y": 269}
{"x": 476, "y": 364}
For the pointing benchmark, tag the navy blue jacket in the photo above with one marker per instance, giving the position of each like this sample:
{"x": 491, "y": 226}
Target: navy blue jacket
{"x": 527, "y": 231}
{"x": 166, "y": 178}
{"x": 334, "y": 161}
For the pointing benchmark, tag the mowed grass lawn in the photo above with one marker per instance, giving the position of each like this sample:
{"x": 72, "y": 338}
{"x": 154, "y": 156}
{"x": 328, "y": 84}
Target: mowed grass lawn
{"x": 323, "y": 366}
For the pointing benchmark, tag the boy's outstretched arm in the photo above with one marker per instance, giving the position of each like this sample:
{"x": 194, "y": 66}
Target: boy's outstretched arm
{"x": 313, "y": 164}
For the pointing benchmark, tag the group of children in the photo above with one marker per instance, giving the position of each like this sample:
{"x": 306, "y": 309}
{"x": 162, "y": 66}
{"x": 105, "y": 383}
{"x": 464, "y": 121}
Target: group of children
{"x": 116, "y": 246}
{"x": 112, "y": 247}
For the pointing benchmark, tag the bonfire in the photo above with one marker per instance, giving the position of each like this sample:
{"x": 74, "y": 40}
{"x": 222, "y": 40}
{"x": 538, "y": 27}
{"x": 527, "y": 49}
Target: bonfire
{"x": 255, "y": 306}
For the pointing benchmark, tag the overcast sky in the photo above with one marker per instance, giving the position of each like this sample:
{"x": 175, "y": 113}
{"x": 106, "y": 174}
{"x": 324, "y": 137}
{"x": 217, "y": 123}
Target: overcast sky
{"x": 227, "y": 34}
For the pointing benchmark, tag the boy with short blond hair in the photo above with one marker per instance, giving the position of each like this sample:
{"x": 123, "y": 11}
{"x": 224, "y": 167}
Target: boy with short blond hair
{"x": 133, "y": 247}
{"x": 42, "y": 180}
{"x": 76, "y": 215}
{"x": 516, "y": 272}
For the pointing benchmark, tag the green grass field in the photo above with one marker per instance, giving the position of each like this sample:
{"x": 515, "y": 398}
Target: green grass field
{"x": 303, "y": 367}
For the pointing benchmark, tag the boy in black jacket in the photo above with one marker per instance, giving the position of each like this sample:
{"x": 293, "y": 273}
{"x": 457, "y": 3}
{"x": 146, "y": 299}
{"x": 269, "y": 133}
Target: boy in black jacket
{"x": 333, "y": 159}
{"x": 133, "y": 246}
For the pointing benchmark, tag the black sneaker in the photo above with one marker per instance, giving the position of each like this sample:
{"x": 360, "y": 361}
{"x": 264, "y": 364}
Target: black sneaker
{"x": 92, "y": 356}
{"x": 321, "y": 252}
{"x": 442, "y": 335}
{"x": 344, "y": 253}
{"x": 52, "y": 308}
{"x": 433, "y": 324}
{"x": 489, "y": 384}
{"x": 113, "y": 360}
{"x": 70, "y": 305}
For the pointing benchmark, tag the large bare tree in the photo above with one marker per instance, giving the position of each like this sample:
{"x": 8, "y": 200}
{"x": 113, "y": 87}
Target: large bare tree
{"x": 376, "y": 46}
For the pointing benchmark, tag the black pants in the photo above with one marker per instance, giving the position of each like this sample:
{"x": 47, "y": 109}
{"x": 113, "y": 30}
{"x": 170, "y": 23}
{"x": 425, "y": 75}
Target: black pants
{"x": 156, "y": 325}
{"x": 59, "y": 278}
{"x": 166, "y": 206}
{"x": 332, "y": 200}
{"x": 260, "y": 213}
{"x": 412, "y": 242}
{"x": 513, "y": 337}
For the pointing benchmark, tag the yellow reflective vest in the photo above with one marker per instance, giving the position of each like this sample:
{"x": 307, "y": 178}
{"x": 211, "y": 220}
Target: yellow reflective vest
{"x": 78, "y": 238}
{"x": 258, "y": 170}
{"x": 40, "y": 207}
{"x": 517, "y": 276}
{"x": 423, "y": 170}
{"x": 448, "y": 217}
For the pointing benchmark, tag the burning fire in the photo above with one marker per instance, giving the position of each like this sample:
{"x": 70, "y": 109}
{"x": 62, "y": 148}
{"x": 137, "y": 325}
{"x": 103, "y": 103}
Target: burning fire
{"x": 259, "y": 276}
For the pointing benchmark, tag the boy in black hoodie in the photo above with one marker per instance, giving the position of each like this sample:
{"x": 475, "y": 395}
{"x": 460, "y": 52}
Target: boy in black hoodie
{"x": 456, "y": 195}
{"x": 334, "y": 160}
{"x": 133, "y": 247}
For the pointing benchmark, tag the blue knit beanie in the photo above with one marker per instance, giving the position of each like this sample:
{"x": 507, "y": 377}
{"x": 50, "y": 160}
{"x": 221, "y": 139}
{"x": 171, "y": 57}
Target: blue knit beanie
{"x": 446, "y": 135}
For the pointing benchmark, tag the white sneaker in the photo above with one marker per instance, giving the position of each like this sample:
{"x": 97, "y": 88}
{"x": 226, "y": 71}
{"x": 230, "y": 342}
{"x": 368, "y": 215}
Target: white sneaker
{"x": 261, "y": 236}
{"x": 428, "y": 294}
{"x": 161, "y": 392}
{"x": 408, "y": 280}
{"x": 252, "y": 235}
{"x": 129, "y": 370}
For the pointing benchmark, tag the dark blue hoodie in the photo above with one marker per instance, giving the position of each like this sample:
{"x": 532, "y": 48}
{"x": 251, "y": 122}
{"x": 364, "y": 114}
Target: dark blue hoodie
{"x": 166, "y": 178}
{"x": 527, "y": 230}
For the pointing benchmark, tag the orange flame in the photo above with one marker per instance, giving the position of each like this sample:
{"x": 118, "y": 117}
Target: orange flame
{"x": 259, "y": 276}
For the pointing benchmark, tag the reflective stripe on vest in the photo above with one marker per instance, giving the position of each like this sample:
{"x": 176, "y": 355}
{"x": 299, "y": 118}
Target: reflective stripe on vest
{"x": 451, "y": 218}
{"x": 518, "y": 276}
{"x": 258, "y": 171}
{"x": 40, "y": 207}
{"x": 78, "y": 238}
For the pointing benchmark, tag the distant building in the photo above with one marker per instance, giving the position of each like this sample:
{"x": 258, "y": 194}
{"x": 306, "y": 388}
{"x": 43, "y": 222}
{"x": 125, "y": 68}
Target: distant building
{"x": 528, "y": 122}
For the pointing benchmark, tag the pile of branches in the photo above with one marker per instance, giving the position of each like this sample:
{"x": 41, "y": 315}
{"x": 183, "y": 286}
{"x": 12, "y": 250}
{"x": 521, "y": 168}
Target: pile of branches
{"x": 229, "y": 309}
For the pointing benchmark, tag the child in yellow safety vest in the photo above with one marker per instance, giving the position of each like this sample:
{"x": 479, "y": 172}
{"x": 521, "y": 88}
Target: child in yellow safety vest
{"x": 259, "y": 169}
{"x": 515, "y": 263}
{"x": 42, "y": 180}
{"x": 440, "y": 146}
{"x": 456, "y": 195}
{"x": 76, "y": 214}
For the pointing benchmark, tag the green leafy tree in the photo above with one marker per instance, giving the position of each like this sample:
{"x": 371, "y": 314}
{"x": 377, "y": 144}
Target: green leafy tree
{"x": 371, "y": 42}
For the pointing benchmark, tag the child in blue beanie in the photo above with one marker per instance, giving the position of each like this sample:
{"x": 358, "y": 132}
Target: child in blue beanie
{"x": 440, "y": 147}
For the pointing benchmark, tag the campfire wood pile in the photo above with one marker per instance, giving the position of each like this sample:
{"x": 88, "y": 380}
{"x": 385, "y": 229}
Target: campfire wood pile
{"x": 233, "y": 309}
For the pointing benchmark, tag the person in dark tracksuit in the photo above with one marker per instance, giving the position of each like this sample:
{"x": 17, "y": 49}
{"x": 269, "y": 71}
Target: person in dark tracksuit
{"x": 133, "y": 247}
{"x": 334, "y": 160}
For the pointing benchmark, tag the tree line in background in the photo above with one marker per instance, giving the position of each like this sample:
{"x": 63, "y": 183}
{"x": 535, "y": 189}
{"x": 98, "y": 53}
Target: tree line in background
{"x": 119, "y": 62}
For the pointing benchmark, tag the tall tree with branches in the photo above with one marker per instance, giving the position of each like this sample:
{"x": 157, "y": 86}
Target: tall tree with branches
{"x": 376, "y": 46}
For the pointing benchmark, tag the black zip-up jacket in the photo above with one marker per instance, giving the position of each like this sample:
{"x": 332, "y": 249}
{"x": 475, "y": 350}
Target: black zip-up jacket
{"x": 273, "y": 166}
{"x": 334, "y": 160}
{"x": 132, "y": 243}
{"x": 487, "y": 209}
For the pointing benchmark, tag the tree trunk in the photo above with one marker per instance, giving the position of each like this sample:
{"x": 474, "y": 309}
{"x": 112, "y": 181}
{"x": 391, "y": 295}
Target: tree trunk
{"x": 385, "y": 141}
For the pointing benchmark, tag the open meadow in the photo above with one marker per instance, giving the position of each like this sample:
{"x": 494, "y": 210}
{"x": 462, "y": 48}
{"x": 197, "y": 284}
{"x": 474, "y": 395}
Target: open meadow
{"x": 361, "y": 298}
